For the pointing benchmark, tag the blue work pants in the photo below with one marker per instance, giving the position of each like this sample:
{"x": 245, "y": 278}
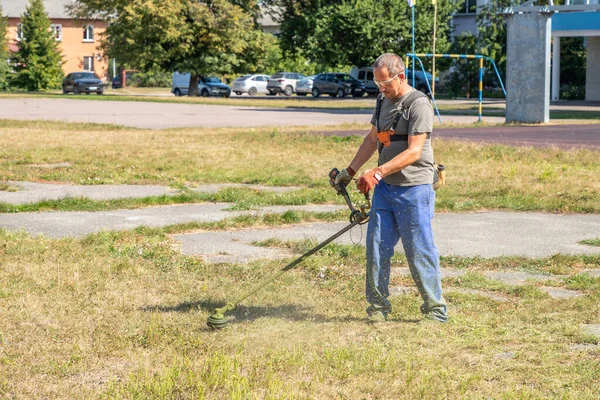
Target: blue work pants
{"x": 404, "y": 213}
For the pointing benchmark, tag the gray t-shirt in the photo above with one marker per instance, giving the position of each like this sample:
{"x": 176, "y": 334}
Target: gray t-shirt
{"x": 417, "y": 119}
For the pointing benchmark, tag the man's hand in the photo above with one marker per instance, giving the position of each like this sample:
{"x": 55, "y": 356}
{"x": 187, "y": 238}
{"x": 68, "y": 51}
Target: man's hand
{"x": 369, "y": 179}
{"x": 344, "y": 177}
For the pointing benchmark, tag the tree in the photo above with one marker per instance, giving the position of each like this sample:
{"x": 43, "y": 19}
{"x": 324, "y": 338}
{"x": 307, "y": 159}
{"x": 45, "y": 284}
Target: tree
{"x": 38, "y": 60}
{"x": 4, "y": 55}
{"x": 202, "y": 38}
{"x": 335, "y": 33}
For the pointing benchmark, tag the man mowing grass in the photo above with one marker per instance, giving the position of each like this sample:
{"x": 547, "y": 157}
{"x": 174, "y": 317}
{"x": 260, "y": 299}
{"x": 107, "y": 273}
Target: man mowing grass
{"x": 403, "y": 199}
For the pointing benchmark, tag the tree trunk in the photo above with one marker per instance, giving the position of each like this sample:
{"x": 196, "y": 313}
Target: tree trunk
{"x": 193, "y": 89}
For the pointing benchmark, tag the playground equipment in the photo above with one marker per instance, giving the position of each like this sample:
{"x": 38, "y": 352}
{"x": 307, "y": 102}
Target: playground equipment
{"x": 463, "y": 56}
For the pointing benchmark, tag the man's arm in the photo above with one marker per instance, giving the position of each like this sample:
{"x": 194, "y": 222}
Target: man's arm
{"x": 365, "y": 151}
{"x": 407, "y": 157}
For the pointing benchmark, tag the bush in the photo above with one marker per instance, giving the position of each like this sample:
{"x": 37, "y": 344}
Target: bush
{"x": 572, "y": 92}
{"x": 150, "y": 79}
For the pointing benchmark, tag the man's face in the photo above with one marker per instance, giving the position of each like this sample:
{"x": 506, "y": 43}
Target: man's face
{"x": 388, "y": 85}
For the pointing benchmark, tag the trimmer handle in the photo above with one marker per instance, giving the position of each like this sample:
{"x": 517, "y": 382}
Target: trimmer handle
{"x": 340, "y": 187}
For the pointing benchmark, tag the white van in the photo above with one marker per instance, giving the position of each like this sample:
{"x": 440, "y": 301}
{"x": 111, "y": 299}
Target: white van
{"x": 207, "y": 86}
{"x": 365, "y": 75}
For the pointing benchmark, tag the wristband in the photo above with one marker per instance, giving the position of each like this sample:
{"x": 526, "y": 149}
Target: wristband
{"x": 351, "y": 172}
{"x": 378, "y": 175}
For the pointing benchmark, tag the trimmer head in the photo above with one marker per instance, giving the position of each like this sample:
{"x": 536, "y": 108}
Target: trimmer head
{"x": 217, "y": 321}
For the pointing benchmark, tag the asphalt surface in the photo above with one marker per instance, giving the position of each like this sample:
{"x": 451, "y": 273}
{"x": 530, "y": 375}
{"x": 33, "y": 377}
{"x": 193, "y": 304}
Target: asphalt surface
{"x": 151, "y": 115}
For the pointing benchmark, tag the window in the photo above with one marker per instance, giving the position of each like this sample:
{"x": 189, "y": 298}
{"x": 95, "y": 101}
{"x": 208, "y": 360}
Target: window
{"x": 57, "y": 31}
{"x": 19, "y": 31}
{"x": 88, "y": 33}
{"x": 467, "y": 7}
{"x": 88, "y": 63}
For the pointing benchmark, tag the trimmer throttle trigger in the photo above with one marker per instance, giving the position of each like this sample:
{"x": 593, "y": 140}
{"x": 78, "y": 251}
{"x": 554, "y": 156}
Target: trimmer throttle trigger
{"x": 332, "y": 174}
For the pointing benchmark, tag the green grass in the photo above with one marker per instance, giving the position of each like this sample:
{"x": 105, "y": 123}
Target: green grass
{"x": 121, "y": 315}
{"x": 479, "y": 176}
{"x": 591, "y": 242}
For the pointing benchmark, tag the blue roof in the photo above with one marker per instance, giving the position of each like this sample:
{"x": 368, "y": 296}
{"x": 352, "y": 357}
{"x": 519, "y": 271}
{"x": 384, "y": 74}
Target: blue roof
{"x": 576, "y": 21}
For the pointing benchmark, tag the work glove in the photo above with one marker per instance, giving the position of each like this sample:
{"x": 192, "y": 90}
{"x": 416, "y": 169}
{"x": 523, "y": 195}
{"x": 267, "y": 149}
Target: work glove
{"x": 369, "y": 180}
{"x": 345, "y": 176}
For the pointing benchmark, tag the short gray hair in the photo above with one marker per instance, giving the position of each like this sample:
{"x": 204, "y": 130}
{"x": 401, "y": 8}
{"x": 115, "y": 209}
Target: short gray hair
{"x": 391, "y": 61}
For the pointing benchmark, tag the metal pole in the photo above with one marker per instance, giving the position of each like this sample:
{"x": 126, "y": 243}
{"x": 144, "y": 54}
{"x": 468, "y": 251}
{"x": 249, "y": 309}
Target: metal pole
{"x": 413, "y": 44}
{"x": 480, "y": 87}
{"x": 433, "y": 60}
{"x": 556, "y": 68}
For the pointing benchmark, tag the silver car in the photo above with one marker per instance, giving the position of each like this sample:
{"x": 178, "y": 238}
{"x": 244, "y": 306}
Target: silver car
{"x": 283, "y": 82}
{"x": 251, "y": 84}
{"x": 304, "y": 86}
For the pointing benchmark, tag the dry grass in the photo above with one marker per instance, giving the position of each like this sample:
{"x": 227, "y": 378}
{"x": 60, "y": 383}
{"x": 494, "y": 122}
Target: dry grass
{"x": 479, "y": 176}
{"x": 122, "y": 316}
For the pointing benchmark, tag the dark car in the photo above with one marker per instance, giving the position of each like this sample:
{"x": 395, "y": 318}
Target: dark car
{"x": 117, "y": 83}
{"x": 82, "y": 82}
{"x": 337, "y": 84}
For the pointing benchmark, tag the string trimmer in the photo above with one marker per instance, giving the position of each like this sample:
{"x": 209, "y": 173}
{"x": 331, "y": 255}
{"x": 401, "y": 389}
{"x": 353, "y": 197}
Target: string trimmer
{"x": 218, "y": 320}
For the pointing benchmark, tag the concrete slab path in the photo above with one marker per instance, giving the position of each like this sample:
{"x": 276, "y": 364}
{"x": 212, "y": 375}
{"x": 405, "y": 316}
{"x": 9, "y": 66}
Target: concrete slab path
{"x": 31, "y": 192}
{"x": 486, "y": 234}
{"x": 79, "y": 223}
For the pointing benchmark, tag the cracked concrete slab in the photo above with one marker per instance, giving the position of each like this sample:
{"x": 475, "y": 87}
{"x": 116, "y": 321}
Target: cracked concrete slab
{"x": 519, "y": 277}
{"x": 32, "y": 192}
{"x": 79, "y": 223}
{"x": 491, "y": 234}
{"x": 490, "y": 295}
{"x": 218, "y": 186}
{"x": 401, "y": 290}
{"x": 485, "y": 234}
{"x": 591, "y": 329}
{"x": 560, "y": 293}
{"x": 594, "y": 273}
{"x": 584, "y": 347}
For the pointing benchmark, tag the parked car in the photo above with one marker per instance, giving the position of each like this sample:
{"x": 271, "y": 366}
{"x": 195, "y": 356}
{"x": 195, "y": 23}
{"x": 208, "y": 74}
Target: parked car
{"x": 337, "y": 84}
{"x": 82, "y": 82}
{"x": 304, "y": 86}
{"x": 365, "y": 75}
{"x": 117, "y": 83}
{"x": 251, "y": 84}
{"x": 284, "y": 82}
{"x": 207, "y": 86}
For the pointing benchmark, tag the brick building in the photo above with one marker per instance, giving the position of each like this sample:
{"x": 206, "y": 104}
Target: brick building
{"x": 78, "y": 40}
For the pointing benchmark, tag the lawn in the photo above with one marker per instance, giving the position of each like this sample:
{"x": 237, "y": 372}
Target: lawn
{"x": 480, "y": 177}
{"x": 121, "y": 315}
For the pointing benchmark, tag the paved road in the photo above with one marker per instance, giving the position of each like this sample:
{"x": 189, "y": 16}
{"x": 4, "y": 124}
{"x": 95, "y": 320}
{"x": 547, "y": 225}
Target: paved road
{"x": 172, "y": 115}
{"x": 565, "y": 136}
